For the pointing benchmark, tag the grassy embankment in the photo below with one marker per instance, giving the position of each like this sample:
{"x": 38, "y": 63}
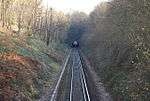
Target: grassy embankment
{"x": 27, "y": 66}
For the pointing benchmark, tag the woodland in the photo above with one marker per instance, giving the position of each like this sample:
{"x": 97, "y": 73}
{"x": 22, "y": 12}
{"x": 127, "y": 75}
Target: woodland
{"x": 34, "y": 40}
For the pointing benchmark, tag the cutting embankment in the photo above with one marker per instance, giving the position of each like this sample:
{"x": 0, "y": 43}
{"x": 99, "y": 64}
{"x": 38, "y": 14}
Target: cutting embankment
{"x": 28, "y": 68}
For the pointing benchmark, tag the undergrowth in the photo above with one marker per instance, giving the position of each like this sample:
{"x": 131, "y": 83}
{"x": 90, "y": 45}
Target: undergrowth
{"x": 35, "y": 66}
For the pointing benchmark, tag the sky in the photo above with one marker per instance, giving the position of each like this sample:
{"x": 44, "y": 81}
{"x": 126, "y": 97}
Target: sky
{"x": 72, "y": 5}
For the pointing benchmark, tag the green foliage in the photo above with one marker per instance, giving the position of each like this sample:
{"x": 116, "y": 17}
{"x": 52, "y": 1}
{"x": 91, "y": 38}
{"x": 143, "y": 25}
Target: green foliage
{"x": 4, "y": 49}
{"x": 119, "y": 85}
{"x": 48, "y": 67}
{"x": 1, "y": 33}
{"x": 23, "y": 51}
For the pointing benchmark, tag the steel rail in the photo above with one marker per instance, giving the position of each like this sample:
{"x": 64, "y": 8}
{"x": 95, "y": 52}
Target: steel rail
{"x": 83, "y": 88}
{"x": 54, "y": 94}
{"x": 84, "y": 82}
{"x": 82, "y": 79}
{"x": 71, "y": 90}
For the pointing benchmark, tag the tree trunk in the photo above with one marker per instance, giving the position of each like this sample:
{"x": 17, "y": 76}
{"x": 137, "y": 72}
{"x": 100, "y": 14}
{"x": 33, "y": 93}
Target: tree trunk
{"x": 19, "y": 22}
{"x": 2, "y": 13}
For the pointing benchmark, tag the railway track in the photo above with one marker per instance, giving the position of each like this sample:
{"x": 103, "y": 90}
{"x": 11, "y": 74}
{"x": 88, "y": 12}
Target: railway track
{"x": 72, "y": 85}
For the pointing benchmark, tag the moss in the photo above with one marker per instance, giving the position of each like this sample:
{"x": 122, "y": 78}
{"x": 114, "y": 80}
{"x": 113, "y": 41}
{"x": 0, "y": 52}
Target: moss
{"x": 4, "y": 49}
